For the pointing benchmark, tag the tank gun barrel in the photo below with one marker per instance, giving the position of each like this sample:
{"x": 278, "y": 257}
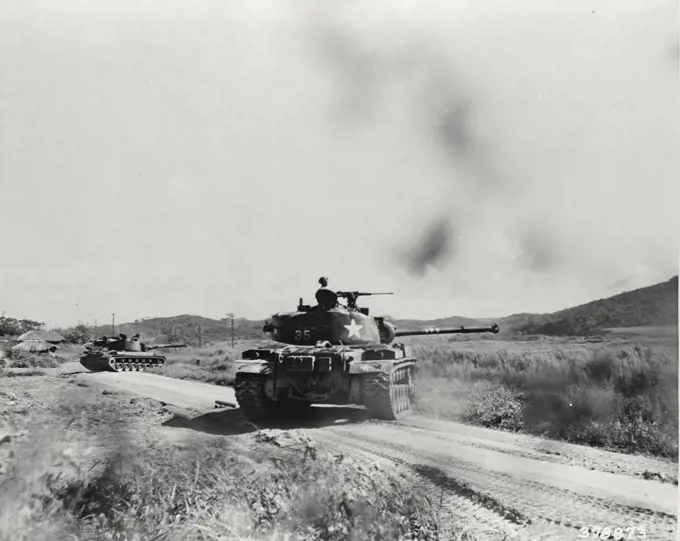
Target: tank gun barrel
{"x": 459, "y": 330}
{"x": 161, "y": 346}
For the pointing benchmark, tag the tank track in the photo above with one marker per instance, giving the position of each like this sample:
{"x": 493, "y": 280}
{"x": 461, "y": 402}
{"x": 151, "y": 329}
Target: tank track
{"x": 254, "y": 404}
{"x": 390, "y": 396}
{"x": 257, "y": 407}
{"x": 97, "y": 362}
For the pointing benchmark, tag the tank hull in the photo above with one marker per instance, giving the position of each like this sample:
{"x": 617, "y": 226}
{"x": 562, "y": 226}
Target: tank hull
{"x": 120, "y": 361}
{"x": 278, "y": 383}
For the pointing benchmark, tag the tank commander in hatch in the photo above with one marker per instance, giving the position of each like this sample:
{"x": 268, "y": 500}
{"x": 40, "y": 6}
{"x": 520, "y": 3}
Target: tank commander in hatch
{"x": 135, "y": 344}
{"x": 119, "y": 343}
{"x": 326, "y": 298}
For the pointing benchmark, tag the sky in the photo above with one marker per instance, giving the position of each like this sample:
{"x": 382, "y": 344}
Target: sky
{"x": 474, "y": 158}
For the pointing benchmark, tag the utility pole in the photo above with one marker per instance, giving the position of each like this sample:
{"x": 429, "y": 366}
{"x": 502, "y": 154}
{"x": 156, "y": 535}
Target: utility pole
{"x": 200, "y": 341}
{"x": 94, "y": 329}
{"x": 113, "y": 324}
{"x": 231, "y": 316}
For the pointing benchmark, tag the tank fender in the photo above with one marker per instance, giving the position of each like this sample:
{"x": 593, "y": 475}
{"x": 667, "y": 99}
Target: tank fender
{"x": 252, "y": 367}
{"x": 373, "y": 367}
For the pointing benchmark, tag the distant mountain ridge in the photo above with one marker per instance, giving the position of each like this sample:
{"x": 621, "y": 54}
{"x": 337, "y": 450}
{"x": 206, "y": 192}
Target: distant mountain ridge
{"x": 650, "y": 306}
{"x": 187, "y": 328}
{"x": 655, "y": 305}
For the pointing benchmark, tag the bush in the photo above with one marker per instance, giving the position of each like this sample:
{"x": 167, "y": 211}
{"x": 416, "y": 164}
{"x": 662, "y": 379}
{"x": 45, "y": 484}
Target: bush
{"x": 499, "y": 408}
{"x": 28, "y": 360}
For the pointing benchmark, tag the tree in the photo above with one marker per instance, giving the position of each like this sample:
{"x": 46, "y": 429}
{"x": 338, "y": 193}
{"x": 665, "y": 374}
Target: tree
{"x": 10, "y": 326}
{"x": 78, "y": 334}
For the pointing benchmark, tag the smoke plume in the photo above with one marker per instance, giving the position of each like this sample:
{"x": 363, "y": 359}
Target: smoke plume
{"x": 490, "y": 169}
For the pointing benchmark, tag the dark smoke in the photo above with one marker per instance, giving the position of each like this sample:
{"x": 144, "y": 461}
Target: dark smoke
{"x": 359, "y": 71}
{"x": 436, "y": 246}
{"x": 447, "y": 117}
{"x": 444, "y": 111}
{"x": 450, "y": 111}
{"x": 444, "y": 105}
{"x": 454, "y": 129}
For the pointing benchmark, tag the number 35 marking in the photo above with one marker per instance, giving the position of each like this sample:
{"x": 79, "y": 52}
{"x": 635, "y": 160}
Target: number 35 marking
{"x": 303, "y": 335}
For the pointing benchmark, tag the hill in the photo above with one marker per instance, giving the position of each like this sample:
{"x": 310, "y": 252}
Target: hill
{"x": 651, "y": 306}
{"x": 452, "y": 321}
{"x": 185, "y": 328}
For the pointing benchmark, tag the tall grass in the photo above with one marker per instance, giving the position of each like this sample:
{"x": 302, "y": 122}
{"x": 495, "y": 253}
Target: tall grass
{"x": 62, "y": 485}
{"x": 211, "y": 364}
{"x": 622, "y": 395}
{"x": 219, "y": 491}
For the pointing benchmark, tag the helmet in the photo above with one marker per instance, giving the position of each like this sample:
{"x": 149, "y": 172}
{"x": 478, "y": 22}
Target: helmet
{"x": 323, "y": 281}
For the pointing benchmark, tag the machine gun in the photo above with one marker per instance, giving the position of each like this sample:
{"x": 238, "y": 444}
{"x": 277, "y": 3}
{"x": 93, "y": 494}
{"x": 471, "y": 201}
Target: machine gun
{"x": 352, "y": 296}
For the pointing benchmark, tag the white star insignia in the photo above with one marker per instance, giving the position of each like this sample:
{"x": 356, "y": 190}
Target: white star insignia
{"x": 353, "y": 329}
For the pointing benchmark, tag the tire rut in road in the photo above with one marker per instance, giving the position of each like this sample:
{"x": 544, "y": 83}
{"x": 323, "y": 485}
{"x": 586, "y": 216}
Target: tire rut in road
{"x": 618, "y": 464}
{"x": 547, "y": 511}
{"x": 457, "y": 508}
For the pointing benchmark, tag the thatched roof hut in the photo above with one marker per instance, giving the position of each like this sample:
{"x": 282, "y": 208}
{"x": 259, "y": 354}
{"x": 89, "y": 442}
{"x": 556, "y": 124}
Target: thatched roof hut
{"x": 35, "y": 346}
{"x": 44, "y": 336}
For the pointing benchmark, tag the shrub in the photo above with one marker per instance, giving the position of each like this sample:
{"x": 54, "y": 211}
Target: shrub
{"x": 499, "y": 408}
{"x": 28, "y": 360}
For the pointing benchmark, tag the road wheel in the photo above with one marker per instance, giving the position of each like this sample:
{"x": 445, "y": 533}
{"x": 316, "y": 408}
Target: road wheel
{"x": 390, "y": 396}
{"x": 251, "y": 398}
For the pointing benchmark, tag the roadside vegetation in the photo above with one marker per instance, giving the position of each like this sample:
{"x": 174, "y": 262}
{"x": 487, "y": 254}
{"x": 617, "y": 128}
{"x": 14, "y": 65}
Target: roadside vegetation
{"x": 617, "y": 394}
{"x": 211, "y": 364}
{"x": 23, "y": 359}
{"x": 83, "y": 467}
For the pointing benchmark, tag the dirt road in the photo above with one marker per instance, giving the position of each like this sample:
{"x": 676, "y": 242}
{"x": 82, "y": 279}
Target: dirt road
{"x": 499, "y": 484}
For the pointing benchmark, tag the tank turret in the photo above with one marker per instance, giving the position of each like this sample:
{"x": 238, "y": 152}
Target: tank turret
{"x": 332, "y": 353}
{"x": 345, "y": 324}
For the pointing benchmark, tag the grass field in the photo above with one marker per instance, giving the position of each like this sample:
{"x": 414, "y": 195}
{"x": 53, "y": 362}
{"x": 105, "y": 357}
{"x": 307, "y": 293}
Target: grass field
{"x": 614, "y": 391}
{"x": 76, "y": 463}
{"x": 214, "y": 362}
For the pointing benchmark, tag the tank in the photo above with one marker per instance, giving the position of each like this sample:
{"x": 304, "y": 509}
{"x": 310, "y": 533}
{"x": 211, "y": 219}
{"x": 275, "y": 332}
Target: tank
{"x": 118, "y": 354}
{"x": 332, "y": 353}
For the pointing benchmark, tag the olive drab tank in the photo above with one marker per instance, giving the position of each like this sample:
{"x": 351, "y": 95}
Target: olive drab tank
{"x": 118, "y": 354}
{"x": 331, "y": 353}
